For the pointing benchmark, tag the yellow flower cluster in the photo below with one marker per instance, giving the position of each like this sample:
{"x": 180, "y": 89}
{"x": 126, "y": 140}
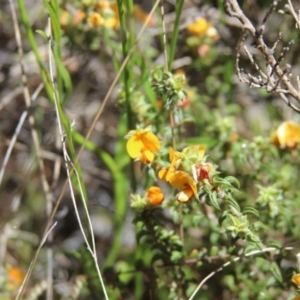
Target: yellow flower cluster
{"x": 287, "y": 135}
{"x": 95, "y": 20}
{"x": 202, "y": 27}
{"x": 187, "y": 168}
{"x": 105, "y": 14}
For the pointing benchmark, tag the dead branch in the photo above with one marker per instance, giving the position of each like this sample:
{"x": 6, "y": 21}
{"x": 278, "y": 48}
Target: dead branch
{"x": 275, "y": 77}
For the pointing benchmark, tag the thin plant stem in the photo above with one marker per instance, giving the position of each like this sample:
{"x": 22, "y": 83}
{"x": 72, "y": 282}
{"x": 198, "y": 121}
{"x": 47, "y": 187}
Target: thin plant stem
{"x": 49, "y": 206}
{"x": 172, "y": 123}
{"x": 166, "y": 68}
{"x": 28, "y": 103}
{"x": 83, "y": 145}
{"x": 16, "y": 134}
{"x": 27, "y": 276}
{"x": 178, "y": 10}
{"x": 127, "y": 75}
{"x": 162, "y": 12}
{"x": 110, "y": 90}
{"x": 252, "y": 253}
{"x": 45, "y": 185}
{"x": 92, "y": 247}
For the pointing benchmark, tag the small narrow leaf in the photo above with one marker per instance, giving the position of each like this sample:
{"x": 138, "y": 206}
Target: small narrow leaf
{"x": 276, "y": 272}
{"x": 214, "y": 200}
{"x": 233, "y": 180}
{"x": 233, "y": 203}
{"x": 275, "y": 244}
{"x": 42, "y": 34}
{"x": 250, "y": 211}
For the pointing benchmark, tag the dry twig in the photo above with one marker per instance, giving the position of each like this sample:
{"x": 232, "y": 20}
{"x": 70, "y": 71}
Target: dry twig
{"x": 275, "y": 77}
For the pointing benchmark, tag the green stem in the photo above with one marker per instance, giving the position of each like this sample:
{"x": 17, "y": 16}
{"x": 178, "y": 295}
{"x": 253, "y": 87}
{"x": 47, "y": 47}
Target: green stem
{"x": 119, "y": 184}
{"x": 178, "y": 9}
{"x": 127, "y": 78}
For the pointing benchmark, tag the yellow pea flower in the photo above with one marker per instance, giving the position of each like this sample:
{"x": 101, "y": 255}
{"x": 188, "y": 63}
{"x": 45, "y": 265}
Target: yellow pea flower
{"x": 143, "y": 145}
{"x": 111, "y": 23}
{"x": 199, "y": 27}
{"x": 296, "y": 279}
{"x": 95, "y": 20}
{"x": 190, "y": 161}
{"x": 155, "y": 195}
{"x": 114, "y": 8}
{"x": 103, "y": 4}
{"x": 165, "y": 174}
{"x": 15, "y": 278}
{"x": 287, "y": 135}
{"x": 185, "y": 183}
{"x": 64, "y": 18}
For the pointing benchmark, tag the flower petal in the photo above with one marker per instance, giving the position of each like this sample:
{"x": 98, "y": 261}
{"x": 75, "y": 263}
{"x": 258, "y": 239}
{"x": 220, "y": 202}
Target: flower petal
{"x": 201, "y": 151}
{"x": 134, "y": 146}
{"x": 183, "y": 180}
{"x": 155, "y": 195}
{"x": 162, "y": 174}
{"x": 185, "y": 195}
{"x": 199, "y": 27}
{"x": 296, "y": 279}
{"x": 150, "y": 141}
{"x": 288, "y": 134}
{"x": 147, "y": 157}
{"x": 172, "y": 154}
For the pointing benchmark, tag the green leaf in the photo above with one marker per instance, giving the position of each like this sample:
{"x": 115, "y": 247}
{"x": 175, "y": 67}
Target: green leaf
{"x": 229, "y": 280}
{"x": 175, "y": 32}
{"x": 176, "y": 256}
{"x": 224, "y": 216}
{"x": 252, "y": 238}
{"x": 233, "y": 181}
{"x": 275, "y": 244}
{"x": 203, "y": 140}
{"x": 276, "y": 272}
{"x": 123, "y": 267}
{"x": 141, "y": 234}
{"x": 196, "y": 220}
{"x": 190, "y": 290}
{"x": 158, "y": 256}
{"x": 42, "y": 34}
{"x": 250, "y": 211}
{"x": 271, "y": 282}
{"x": 251, "y": 247}
{"x": 214, "y": 199}
{"x": 232, "y": 202}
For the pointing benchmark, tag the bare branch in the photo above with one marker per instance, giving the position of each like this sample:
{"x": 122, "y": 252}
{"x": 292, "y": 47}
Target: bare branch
{"x": 273, "y": 77}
